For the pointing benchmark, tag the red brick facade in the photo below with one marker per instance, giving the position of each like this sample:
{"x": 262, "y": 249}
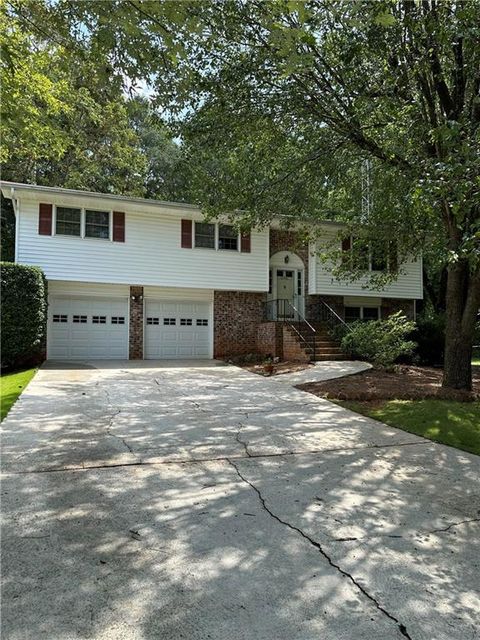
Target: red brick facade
{"x": 313, "y": 305}
{"x": 270, "y": 340}
{"x": 392, "y": 305}
{"x": 291, "y": 347}
{"x": 237, "y": 315}
{"x": 285, "y": 240}
{"x": 135, "y": 346}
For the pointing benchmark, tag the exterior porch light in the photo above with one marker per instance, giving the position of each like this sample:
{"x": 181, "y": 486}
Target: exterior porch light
{"x": 287, "y": 259}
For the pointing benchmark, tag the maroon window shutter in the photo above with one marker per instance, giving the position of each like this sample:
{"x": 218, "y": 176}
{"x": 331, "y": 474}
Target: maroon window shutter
{"x": 245, "y": 243}
{"x": 118, "y": 226}
{"x": 186, "y": 234}
{"x": 45, "y": 219}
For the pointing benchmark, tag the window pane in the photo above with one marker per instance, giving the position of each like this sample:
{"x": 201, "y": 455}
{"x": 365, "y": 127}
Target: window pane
{"x": 352, "y": 314}
{"x": 227, "y": 237}
{"x": 97, "y": 224}
{"x": 205, "y": 235}
{"x": 68, "y": 221}
{"x": 371, "y": 313}
{"x": 379, "y": 258}
{"x": 360, "y": 254}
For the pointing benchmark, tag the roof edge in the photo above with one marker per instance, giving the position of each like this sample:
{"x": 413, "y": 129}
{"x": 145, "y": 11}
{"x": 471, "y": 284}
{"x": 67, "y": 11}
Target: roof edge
{"x": 21, "y": 186}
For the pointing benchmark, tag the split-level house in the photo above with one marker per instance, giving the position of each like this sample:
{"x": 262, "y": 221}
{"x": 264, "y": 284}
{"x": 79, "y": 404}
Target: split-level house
{"x": 137, "y": 278}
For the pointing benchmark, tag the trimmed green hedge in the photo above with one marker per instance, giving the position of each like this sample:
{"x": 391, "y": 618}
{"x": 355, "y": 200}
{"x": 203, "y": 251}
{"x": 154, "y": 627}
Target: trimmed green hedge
{"x": 24, "y": 314}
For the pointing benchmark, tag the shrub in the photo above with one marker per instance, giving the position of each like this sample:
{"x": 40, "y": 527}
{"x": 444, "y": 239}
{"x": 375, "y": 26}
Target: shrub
{"x": 430, "y": 338}
{"x": 381, "y": 342}
{"x": 24, "y": 314}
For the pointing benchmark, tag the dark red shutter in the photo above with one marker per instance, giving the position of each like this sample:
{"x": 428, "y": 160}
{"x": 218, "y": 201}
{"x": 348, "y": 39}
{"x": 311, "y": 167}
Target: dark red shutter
{"x": 245, "y": 243}
{"x": 118, "y": 226}
{"x": 45, "y": 219}
{"x": 186, "y": 234}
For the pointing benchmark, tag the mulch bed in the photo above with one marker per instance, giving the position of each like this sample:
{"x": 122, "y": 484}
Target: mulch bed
{"x": 407, "y": 383}
{"x": 278, "y": 368}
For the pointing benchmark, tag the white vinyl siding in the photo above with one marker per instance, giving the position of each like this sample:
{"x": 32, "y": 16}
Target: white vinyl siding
{"x": 321, "y": 282}
{"x": 150, "y": 255}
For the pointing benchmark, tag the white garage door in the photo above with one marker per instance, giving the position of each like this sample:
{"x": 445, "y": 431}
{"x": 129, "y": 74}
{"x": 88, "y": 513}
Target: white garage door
{"x": 177, "y": 329}
{"x": 87, "y": 328}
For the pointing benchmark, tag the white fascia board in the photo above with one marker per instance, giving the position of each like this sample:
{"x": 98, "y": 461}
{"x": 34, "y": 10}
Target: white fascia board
{"x": 89, "y": 198}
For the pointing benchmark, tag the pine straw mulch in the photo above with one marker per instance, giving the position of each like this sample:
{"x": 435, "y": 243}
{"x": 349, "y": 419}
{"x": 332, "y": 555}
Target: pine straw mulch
{"x": 406, "y": 383}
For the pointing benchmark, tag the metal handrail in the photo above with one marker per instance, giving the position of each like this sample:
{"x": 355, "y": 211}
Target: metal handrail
{"x": 334, "y": 317}
{"x": 282, "y": 317}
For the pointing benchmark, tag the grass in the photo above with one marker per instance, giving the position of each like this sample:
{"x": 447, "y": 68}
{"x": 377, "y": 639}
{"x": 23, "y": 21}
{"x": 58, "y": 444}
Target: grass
{"x": 11, "y": 386}
{"x": 454, "y": 423}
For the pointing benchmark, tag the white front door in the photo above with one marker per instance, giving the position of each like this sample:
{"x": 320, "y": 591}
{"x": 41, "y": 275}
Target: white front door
{"x": 177, "y": 329}
{"x": 87, "y": 328}
{"x": 285, "y": 292}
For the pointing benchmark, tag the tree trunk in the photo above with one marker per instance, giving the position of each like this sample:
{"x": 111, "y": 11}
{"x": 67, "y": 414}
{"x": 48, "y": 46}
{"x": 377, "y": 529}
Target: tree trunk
{"x": 463, "y": 299}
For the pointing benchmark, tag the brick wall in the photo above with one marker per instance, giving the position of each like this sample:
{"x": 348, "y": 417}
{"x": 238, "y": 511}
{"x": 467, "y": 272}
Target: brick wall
{"x": 286, "y": 240}
{"x": 392, "y": 305}
{"x": 313, "y": 305}
{"x": 135, "y": 346}
{"x": 237, "y": 315}
{"x": 270, "y": 339}
{"x": 291, "y": 348}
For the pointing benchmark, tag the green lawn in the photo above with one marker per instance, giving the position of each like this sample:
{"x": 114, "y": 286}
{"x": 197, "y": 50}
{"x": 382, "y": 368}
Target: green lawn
{"x": 454, "y": 423}
{"x": 11, "y": 386}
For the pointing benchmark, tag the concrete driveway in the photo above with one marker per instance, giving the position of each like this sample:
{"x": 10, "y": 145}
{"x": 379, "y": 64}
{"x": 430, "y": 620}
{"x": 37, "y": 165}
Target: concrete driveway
{"x": 190, "y": 502}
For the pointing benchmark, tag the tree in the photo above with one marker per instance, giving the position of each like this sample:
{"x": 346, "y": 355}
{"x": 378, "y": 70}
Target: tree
{"x": 166, "y": 171}
{"x": 396, "y": 82}
{"x": 63, "y": 125}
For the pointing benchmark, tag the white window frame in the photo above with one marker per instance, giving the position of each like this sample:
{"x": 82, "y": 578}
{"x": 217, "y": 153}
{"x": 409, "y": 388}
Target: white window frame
{"x": 217, "y": 238}
{"x": 83, "y": 220}
{"x": 370, "y": 258}
{"x": 215, "y": 235}
{"x": 227, "y": 224}
{"x": 362, "y": 307}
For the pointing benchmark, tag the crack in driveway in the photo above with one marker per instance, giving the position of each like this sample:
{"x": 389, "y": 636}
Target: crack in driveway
{"x": 223, "y": 458}
{"x": 242, "y": 442}
{"x": 401, "y": 627}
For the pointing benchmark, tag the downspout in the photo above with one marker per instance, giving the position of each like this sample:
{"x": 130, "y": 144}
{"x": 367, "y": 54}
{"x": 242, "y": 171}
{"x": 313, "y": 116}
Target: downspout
{"x": 16, "y": 211}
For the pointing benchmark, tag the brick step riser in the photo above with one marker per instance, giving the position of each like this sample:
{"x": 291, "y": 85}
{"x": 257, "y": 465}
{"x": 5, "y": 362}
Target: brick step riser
{"x": 310, "y": 338}
{"x": 321, "y": 343}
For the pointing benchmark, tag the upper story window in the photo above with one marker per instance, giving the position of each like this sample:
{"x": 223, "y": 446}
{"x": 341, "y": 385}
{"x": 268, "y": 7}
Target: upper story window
{"x": 97, "y": 224}
{"x": 374, "y": 256}
{"x": 227, "y": 237}
{"x": 68, "y": 221}
{"x": 82, "y": 223}
{"x": 205, "y": 235}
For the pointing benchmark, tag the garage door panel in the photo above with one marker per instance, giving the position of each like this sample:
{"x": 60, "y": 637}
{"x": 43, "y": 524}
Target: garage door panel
{"x": 177, "y": 329}
{"x": 95, "y": 328}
